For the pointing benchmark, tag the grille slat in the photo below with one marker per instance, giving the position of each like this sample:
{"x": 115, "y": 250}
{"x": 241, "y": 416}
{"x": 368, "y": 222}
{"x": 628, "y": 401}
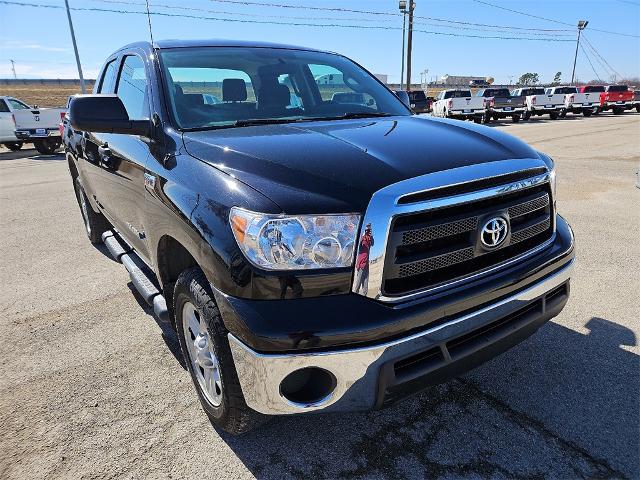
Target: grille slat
{"x": 432, "y": 247}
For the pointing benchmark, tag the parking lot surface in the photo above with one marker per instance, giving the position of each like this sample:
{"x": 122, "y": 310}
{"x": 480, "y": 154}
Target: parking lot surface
{"x": 91, "y": 386}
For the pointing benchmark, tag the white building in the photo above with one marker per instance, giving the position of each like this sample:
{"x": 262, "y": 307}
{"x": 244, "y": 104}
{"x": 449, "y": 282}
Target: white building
{"x": 458, "y": 80}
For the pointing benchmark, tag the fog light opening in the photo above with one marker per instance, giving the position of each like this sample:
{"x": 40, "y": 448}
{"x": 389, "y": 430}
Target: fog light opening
{"x": 308, "y": 386}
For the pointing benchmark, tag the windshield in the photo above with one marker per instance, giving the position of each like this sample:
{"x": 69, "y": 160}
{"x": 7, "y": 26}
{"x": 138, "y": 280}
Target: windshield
{"x": 417, "y": 96}
{"x": 216, "y": 87}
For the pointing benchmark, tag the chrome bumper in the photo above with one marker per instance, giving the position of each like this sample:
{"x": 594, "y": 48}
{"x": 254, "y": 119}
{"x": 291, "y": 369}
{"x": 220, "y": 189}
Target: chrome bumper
{"x": 357, "y": 370}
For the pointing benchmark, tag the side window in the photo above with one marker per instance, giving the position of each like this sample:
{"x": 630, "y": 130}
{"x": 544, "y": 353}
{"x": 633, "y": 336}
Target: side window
{"x": 3, "y": 106}
{"x": 337, "y": 89}
{"x": 132, "y": 88}
{"x": 108, "y": 78}
{"x": 17, "y": 105}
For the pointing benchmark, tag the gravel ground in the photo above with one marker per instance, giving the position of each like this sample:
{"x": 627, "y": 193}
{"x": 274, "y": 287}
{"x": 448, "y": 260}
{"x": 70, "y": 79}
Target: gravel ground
{"x": 92, "y": 387}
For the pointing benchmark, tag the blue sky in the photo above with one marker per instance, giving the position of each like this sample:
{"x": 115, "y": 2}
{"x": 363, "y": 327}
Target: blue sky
{"x": 37, "y": 38}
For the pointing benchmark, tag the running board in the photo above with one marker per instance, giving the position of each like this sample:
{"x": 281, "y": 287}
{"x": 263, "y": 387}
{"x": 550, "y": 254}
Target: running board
{"x": 138, "y": 272}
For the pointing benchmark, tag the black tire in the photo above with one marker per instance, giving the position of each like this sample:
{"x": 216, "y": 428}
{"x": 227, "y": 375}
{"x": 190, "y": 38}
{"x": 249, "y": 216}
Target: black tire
{"x": 526, "y": 116}
{"x": 232, "y": 415}
{"x": 638, "y": 108}
{"x": 14, "y": 146}
{"x": 618, "y": 111}
{"x": 596, "y": 110}
{"x": 47, "y": 146}
{"x": 95, "y": 224}
{"x": 553, "y": 115}
{"x": 563, "y": 113}
{"x": 515, "y": 118}
{"x": 477, "y": 119}
{"x": 587, "y": 112}
{"x": 486, "y": 118}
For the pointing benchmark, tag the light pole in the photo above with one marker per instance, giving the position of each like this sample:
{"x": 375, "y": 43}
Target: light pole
{"x": 402, "y": 5}
{"x": 412, "y": 6}
{"x": 582, "y": 24}
{"x": 75, "y": 48}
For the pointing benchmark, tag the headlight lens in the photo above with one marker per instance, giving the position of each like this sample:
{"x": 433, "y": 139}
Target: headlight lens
{"x": 300, "y": 242}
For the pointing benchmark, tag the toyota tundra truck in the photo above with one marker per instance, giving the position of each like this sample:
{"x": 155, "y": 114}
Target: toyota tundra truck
{"x": 499, "y": 103}
{"x": 315, "y": 256}
{"x": 459, "y": 104}
{"x": 616, "y": 98}
{"x": 539, "y": 102}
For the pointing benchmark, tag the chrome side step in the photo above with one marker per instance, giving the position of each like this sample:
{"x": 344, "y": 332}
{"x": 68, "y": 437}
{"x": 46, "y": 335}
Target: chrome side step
{"x": 140, "y": 275}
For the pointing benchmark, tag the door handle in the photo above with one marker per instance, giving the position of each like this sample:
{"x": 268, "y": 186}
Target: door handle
{"x": 106, "y": 157}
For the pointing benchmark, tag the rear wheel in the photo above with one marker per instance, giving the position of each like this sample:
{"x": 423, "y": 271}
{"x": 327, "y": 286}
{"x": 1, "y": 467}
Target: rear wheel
{"x": 95, "y": 224}
{"x": 477, "y": 119}
{"x": 14, "y": 146}
{"x": 618, "y": 111}
{"x": 526, "y": 116}
{"x": 205, "y": 348}
{"x": 638, "y": 108}
{"x": 515, "y": 118}
{"x": 587, "y": 113}
{"x": 563, "y": 113}
{"x": 47, "y": 146}
{"x": 553, "y": 115}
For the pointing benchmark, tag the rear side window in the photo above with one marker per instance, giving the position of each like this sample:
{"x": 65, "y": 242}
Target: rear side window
{"x": 132, "y": 87}
{"x": 108, "y": 79}
{"x": 3, "y": 106}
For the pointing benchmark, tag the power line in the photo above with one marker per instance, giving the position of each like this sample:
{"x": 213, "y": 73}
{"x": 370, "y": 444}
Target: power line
{"x": 603, "y": 59}
{"x": 483, "y": 2}
{"x": 455, "y": 23}
{"x": 270, "y": 22}
{"x": 589, "y": 60}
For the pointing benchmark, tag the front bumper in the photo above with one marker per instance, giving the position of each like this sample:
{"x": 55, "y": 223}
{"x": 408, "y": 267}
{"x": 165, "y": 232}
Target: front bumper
{"x": 374, "y": 376}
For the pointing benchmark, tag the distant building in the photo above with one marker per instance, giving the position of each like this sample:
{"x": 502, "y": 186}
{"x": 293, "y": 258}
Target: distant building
{"x": 458, "y": 80}
{"x": 384, "y": 78}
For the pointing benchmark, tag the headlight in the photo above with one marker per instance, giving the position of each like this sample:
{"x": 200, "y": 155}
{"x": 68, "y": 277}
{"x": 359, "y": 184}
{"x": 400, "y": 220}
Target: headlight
{"x": 552, "y": 180}
{"x": 297, "y": 242}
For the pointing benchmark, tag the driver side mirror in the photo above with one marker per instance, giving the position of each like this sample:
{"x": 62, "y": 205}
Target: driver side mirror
{"x": 105, "y": 113}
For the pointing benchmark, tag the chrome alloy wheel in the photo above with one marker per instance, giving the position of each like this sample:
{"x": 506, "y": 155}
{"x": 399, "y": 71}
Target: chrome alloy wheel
{"x": 201, "y": 354}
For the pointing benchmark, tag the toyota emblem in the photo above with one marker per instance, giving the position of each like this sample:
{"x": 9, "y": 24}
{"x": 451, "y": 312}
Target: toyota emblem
{"x": 494, "y": 232}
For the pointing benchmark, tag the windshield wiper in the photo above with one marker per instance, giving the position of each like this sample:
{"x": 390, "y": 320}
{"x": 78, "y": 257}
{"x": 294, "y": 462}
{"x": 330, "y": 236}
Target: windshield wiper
{"x": 263, "y": 121}
{"x": 349, "y": 115}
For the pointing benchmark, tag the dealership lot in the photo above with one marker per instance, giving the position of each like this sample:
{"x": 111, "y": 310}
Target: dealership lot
{"x": 91, "y": 385}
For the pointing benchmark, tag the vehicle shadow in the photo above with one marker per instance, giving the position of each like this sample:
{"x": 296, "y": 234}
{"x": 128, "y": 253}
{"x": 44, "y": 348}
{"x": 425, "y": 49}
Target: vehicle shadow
{"x": 560, "y": 405}
{"x": 31, "y": 154}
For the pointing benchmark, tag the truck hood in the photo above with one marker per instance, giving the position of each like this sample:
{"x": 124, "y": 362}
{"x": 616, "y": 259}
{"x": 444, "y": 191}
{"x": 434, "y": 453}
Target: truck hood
{"x": 336, "y": 166}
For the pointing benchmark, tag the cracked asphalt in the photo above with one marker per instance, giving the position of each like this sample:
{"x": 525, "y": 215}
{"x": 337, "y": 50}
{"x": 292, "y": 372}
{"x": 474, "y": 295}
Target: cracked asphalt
{"x": 92, "y": 387}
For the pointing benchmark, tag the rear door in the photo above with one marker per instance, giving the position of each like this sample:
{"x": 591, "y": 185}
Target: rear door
{"x": 122, "y": 158}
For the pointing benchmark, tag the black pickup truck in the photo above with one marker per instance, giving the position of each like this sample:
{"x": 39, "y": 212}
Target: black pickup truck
{"x": 316, "y": 246}
{"x": 501, "y": 104}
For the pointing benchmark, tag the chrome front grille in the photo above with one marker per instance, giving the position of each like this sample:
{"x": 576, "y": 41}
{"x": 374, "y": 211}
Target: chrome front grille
{"x": 427, "y": 249}
{"x": 425, "y": 230}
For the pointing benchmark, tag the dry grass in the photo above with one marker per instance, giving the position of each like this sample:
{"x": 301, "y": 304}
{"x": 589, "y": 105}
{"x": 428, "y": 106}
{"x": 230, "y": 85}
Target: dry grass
{"x": 42, "y": 95}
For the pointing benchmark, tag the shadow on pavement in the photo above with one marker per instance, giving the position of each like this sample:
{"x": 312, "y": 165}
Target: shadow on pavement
{"x": 561, "y": 405}
{"x": 31, "y": 154}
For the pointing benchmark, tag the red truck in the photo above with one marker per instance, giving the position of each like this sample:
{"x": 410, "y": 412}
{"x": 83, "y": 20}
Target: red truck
{"x": 617, "y": 98}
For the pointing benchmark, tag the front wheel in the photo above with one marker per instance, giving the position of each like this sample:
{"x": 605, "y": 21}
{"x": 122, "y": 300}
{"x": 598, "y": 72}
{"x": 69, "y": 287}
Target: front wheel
{"x": 205, "y": 348}
{"x": 515, "y": 118}
{"x": 47, "y": 146}
{"x": 14, "y": 146}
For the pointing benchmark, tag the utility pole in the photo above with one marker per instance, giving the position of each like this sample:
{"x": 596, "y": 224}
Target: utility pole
{"x": 402, "y": 5}
{"x": 412, "y": 6}
{"x": 582, "y": 24}
{"x": 75, "y": 48}
{"x": 13, "y": 67}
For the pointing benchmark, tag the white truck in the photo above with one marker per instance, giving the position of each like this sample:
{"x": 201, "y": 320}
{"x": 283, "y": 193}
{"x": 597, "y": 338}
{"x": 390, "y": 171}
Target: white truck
{"x": 538, "y": 102}
{"x": 8, "y": 106}
{"x": 40, "y": 127}
{"x": 459, "y": 104}
{"x": 575, "y": 101}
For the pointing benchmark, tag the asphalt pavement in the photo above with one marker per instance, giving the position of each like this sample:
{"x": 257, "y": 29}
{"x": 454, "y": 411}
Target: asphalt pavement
{"x": 91, "y": 386}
